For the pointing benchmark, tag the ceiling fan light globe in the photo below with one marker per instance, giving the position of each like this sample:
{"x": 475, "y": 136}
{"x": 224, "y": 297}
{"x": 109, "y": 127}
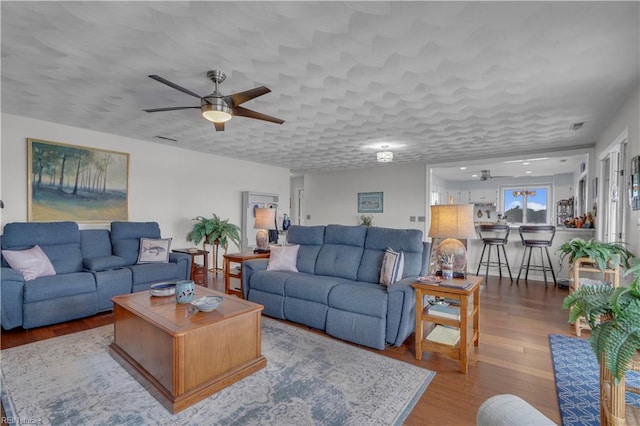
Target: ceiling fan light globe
{"x": 218, "y": 113}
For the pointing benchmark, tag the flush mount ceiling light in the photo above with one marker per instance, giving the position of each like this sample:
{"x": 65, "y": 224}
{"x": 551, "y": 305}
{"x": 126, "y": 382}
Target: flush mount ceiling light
{"x": 384, "y": 156}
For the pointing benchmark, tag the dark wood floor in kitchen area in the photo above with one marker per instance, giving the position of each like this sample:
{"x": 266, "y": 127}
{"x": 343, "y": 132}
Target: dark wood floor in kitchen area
{"x": 513, "y": 356}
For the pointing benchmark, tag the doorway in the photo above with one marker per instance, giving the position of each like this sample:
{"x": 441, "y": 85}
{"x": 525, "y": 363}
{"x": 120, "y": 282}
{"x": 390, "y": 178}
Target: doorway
{"x": 612, "y": 218}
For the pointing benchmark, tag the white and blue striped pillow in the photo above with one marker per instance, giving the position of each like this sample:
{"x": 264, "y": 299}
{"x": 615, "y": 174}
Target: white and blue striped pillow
{"x": 392, "y": 267}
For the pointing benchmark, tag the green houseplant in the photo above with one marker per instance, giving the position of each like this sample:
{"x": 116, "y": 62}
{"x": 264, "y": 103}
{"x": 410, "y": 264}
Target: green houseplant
{"x": 604, "y": 254}
{"x": 214, "y": 231}
{"x": 366, "y": 221}
{"x": 617, "y": 334}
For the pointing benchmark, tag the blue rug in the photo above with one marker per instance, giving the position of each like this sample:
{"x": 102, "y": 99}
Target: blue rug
{"x": 577, "y": 381}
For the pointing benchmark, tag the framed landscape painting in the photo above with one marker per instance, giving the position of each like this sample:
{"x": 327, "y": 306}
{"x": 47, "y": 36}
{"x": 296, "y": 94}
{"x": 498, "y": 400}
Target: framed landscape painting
{"x": 70, "y": 182}
{"x": 370, "y": 202}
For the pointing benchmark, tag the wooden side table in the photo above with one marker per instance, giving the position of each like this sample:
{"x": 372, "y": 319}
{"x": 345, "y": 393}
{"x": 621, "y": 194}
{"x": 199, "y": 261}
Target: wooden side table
{"x": 228, "y": 274}
{"x": 468, "y": 324}
{"x": 198, "y": 272}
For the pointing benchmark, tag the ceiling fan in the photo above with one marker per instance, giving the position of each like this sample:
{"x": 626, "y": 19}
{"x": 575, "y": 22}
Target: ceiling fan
{"x": 216, "y": 107}
{"x": 486, "y": 175}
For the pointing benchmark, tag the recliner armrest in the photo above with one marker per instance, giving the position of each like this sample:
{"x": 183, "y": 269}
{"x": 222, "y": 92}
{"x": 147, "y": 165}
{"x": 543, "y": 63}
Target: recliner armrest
{"x": 11, "y": 293}
{"x": 248, "y": 268}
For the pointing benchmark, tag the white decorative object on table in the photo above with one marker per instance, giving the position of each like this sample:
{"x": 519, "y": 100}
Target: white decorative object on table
{"x": 207, "y": 303}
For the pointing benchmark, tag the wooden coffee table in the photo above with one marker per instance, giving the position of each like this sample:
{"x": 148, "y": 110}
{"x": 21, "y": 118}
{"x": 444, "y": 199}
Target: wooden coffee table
{"x": 180, "y": 355}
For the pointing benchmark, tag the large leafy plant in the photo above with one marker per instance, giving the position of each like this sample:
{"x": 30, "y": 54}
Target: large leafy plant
{"x": 604, "y": 254}
{"x": 614, "y": 317}
{"x": 213, "y": 231}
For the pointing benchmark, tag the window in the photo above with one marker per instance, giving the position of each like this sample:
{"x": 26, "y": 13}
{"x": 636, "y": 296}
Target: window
{"x": 534, "y": 201}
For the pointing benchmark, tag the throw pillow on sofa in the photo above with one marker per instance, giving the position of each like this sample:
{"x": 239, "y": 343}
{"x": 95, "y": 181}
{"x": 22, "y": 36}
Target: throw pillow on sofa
{"x": 154, "y": 250}
{"x": 392, "y": 267}
{"x": 31, "y": 263}
{"x": 283, "y": 258}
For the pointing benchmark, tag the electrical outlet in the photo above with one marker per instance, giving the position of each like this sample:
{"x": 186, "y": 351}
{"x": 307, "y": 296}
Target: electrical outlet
{"x": 412, "y": 218}
{"x": 421, "y": 218}
{"x": 308, "y": 217}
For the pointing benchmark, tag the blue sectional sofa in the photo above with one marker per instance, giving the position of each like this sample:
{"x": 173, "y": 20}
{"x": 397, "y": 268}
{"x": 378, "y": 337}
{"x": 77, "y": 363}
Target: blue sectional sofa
{"x": 336, "y": 287}
{"x": 91, "y": 266}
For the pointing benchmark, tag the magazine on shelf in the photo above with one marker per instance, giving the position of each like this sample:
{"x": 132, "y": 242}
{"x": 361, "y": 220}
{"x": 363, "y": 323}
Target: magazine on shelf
{"x": 456, "y": 283}
{"x": 429, "y": 279}
{"x": 445, "y": 335}
{"x": 445, "y": 311}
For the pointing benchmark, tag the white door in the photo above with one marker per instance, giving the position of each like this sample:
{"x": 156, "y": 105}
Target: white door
{"x": 612, "y": 220}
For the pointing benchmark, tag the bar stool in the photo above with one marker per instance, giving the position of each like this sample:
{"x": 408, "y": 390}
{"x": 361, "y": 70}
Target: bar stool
{"x": 537, "y": 237}
{"x": 494, "y": 236}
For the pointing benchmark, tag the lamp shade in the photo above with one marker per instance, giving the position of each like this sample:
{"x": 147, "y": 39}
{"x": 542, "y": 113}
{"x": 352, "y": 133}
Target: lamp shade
{"x": 452, "y": 221}
{"x": 265, "y": 218}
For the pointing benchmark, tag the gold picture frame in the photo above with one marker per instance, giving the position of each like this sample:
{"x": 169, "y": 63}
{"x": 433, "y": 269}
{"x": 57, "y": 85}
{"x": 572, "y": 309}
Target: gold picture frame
{"x": 77, "y": 183}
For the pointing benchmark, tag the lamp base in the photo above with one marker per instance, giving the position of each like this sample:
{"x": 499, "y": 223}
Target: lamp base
{"x": 262, "y": 239}
{"x": 454, "y": 247}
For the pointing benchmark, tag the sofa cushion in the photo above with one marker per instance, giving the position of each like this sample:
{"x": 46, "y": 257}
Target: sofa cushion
{"x": 270, "y": 281}
{"x": 154, "y": 250}
{"x": 154, "y": 272}
{"x": 57, "y": 286}
{"x": 315, "y": 288}
{"x": 342, "y": 251}
{"x": 409, "y": 241}
{"x": 102, "y": 263}
{"x": 283, "y": 258}
{"x": 31, "y": 263}
{"x": 125, "y": 238}
{"x": 95, "y": 242}
{"x": 310, "y": 239}
{"x": 369, "y": 299}
{"x": 392, "y": 267}
{"x": 59, "y": 240}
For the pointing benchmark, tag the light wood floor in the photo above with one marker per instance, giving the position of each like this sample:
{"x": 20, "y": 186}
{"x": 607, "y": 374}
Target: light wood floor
{"x": 513, "y": 356}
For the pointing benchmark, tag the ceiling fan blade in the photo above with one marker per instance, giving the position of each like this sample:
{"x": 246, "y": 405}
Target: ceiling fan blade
{"x": 169, "y": 109}
{"x": 219, "y": 126}
{"x": 175, "y": 86}
{"x": 242, "y": 97}
{"x": 243, "y": 112}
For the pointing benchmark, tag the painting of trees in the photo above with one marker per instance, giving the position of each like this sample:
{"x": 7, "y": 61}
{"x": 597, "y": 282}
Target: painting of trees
{"x": 69, "y": 182}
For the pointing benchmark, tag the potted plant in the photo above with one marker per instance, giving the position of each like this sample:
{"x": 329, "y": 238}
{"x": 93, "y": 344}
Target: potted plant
{"x": 366, "y": 221}
{"x": 617, "y": 334}
{"x": 214, "y": 231}
{"x": 604, "y": 254}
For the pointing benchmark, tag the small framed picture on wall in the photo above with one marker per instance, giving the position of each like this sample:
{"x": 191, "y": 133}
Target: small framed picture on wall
{"x": 370, "y": 202}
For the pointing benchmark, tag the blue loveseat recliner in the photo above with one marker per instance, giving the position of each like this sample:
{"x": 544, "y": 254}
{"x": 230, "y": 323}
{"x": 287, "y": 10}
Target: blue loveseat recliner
{"x": 336, "y": 287}
{"x": 91, "y": 267}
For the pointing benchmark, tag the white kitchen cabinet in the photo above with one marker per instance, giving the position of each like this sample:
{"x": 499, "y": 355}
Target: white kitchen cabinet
{"x": 483, "y": 196}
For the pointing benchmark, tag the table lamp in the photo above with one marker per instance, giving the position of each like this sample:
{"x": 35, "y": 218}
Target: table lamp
{"x": 265, "y": 220}
{"x": 452, "y": 222}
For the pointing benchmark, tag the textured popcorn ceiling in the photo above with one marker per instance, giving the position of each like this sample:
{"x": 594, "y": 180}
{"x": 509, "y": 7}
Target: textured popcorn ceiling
{"x": 434, "y": 81}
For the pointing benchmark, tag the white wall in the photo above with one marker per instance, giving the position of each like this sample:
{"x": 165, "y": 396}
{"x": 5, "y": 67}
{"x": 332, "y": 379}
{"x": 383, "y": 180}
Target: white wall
{"x": 166, "y": 184}
{"x": 331, "y": 198}
{"x": 627, "y": 118}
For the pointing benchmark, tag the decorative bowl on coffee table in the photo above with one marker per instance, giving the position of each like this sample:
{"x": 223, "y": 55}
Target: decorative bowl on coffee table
{"x": 207, "y": 303}
{"x": 163, "y": 289}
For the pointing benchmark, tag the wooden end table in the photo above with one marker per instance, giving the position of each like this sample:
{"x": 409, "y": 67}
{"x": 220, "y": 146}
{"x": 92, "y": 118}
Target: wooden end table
{"x": 468, "y": 324}
{"x": 198, "y": 272}
{"x": 181, "y": 355}
{"x": 228, "y": 274}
